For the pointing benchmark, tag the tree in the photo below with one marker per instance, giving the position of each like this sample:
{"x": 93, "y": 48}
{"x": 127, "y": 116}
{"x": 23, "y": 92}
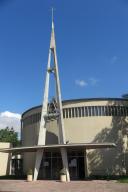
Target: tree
{"x": 9, "y": 135}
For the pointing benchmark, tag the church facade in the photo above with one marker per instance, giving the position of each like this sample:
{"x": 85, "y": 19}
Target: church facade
{"x": 95, "y": 120}
{"x": 85, "y": 137}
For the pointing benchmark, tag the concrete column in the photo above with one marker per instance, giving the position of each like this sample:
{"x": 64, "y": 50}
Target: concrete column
{"x": 39, "y": 155}
{"x": 65, "y": 162}
{"x": 42, "y": 129}
{"x": 62, "y": 138}
{"x": 86, "y": 164}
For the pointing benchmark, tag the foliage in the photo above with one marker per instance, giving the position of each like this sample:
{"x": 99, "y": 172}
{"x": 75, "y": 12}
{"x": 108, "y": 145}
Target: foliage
{"x": 30, "y": 172}
{"x": 9, "y": 135}
{"x": 63, "y": 171}
{"x": 123, "y": 180}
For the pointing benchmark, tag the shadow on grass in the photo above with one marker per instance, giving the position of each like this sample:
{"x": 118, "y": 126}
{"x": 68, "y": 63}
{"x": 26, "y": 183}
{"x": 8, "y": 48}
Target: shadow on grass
{"x": 105, "y": 177}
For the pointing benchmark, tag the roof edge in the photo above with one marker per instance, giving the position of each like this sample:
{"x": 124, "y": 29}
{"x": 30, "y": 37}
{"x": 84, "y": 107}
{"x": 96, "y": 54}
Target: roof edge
{"x": 80, "y": 100}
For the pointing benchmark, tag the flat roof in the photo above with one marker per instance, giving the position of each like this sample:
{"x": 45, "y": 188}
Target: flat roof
{"x": 81, "y": 100}
{"x": 58, "y": 146}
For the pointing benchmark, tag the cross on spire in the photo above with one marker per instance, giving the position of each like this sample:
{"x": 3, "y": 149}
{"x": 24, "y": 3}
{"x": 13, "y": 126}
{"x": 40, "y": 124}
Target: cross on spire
{"x": 52, "y": 14}
{"x": 53, "y": 17}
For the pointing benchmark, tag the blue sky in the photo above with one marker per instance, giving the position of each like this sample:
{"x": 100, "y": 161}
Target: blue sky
{"x": 92, "y": 49}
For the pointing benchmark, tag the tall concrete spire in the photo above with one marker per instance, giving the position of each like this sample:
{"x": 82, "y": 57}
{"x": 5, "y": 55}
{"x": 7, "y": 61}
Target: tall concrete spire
{"x": 42, "y": 130}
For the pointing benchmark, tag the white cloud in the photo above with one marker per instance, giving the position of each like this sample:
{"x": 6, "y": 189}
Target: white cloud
{"x": 9, "y": 119}
{"x": 90, "y": 82}
{"x": 81, "y": 83}
{"x": 10, "y": 114}
{"x": 93, "y": 81}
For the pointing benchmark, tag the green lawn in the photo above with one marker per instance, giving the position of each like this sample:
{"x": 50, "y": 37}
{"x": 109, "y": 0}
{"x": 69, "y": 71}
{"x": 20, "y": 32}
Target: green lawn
{"x": 123, "y": 180}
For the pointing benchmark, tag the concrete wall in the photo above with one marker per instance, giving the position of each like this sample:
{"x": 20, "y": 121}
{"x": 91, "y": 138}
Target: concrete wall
{"x": 4, "y": 160}
{"x": 88, "y": 129}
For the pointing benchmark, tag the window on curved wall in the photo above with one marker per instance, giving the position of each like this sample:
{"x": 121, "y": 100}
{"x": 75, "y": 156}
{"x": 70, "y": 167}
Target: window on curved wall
{"x": 107, "y": 111}
{"x": 89, "y": 111}
{"x": 73, "y": 112}
{"x": 84, "y": 111}
{"x": 96, "y": 110}
{"x": 70, "y": 113}
{"x": 103, "y": 110}
{"x": 93, "y": 110}
{"x": 76, "y": 112}
{"x": 122, "y": 110}
{"x": 66, "y": 112}
{"x": 63, "y": 113}
{"x": 79, "y": 112}
{"x": 126, "y": 111}
{"x": 100, "y": 110}
{"x": 118, "y": 111}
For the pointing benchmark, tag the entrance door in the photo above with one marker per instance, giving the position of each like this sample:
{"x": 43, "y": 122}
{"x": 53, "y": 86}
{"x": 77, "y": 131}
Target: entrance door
{"x": 81, "y": 168}
{"x": 45, "y": 167}
{"x": 52, "y": 164}
{"x": 56, "y": 167}
{"x": 72, "y": 163}
{"x": 76, "y": 165}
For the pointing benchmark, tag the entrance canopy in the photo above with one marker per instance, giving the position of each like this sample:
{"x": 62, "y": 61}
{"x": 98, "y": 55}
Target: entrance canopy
{"x": 36, "y": 148}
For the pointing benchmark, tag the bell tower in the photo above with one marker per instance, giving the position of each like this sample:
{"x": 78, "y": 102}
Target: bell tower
{"x": 58, "y": 114}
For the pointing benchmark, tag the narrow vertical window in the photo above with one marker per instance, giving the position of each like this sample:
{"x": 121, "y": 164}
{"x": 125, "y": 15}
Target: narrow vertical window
{"x": 76, "y": 112}
{"x": 122, "y": 111}
{"x": 86, "y": 111}
{"x": 92, "y": 110}
{"x": 96, "y": 110}
{"x": 118, "y": 110}
{"x": 73, "y": 112}
{"x": 115, "y": 109}
{"x": 126, "y": 111}
{"x": 109, "y": 111}
{"x": 82, "y": 108}
{"x": 64, "y": 113}
{"x": 103, "y": 110}
{"x": 79, "y": 111}
{"x": 89, "y": 111}
{"x": 112, "y": 110}
{"x": 100, "y": 112}
{"x": 70, "y": 115}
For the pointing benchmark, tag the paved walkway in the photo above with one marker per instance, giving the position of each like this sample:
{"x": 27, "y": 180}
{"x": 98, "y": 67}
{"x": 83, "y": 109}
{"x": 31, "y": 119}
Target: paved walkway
{"x": 56, "y": 186}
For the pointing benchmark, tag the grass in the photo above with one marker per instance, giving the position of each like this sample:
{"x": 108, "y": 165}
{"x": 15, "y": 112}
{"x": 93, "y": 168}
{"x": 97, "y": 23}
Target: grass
{"x": 123, "y": 180}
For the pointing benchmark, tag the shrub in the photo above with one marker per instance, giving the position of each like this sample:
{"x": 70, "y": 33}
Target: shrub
{"x": 63, "y": 171}
{"x": 30, "y": 172}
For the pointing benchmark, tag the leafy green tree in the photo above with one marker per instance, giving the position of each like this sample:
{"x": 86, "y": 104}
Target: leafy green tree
{"x": 9, "y": 135}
